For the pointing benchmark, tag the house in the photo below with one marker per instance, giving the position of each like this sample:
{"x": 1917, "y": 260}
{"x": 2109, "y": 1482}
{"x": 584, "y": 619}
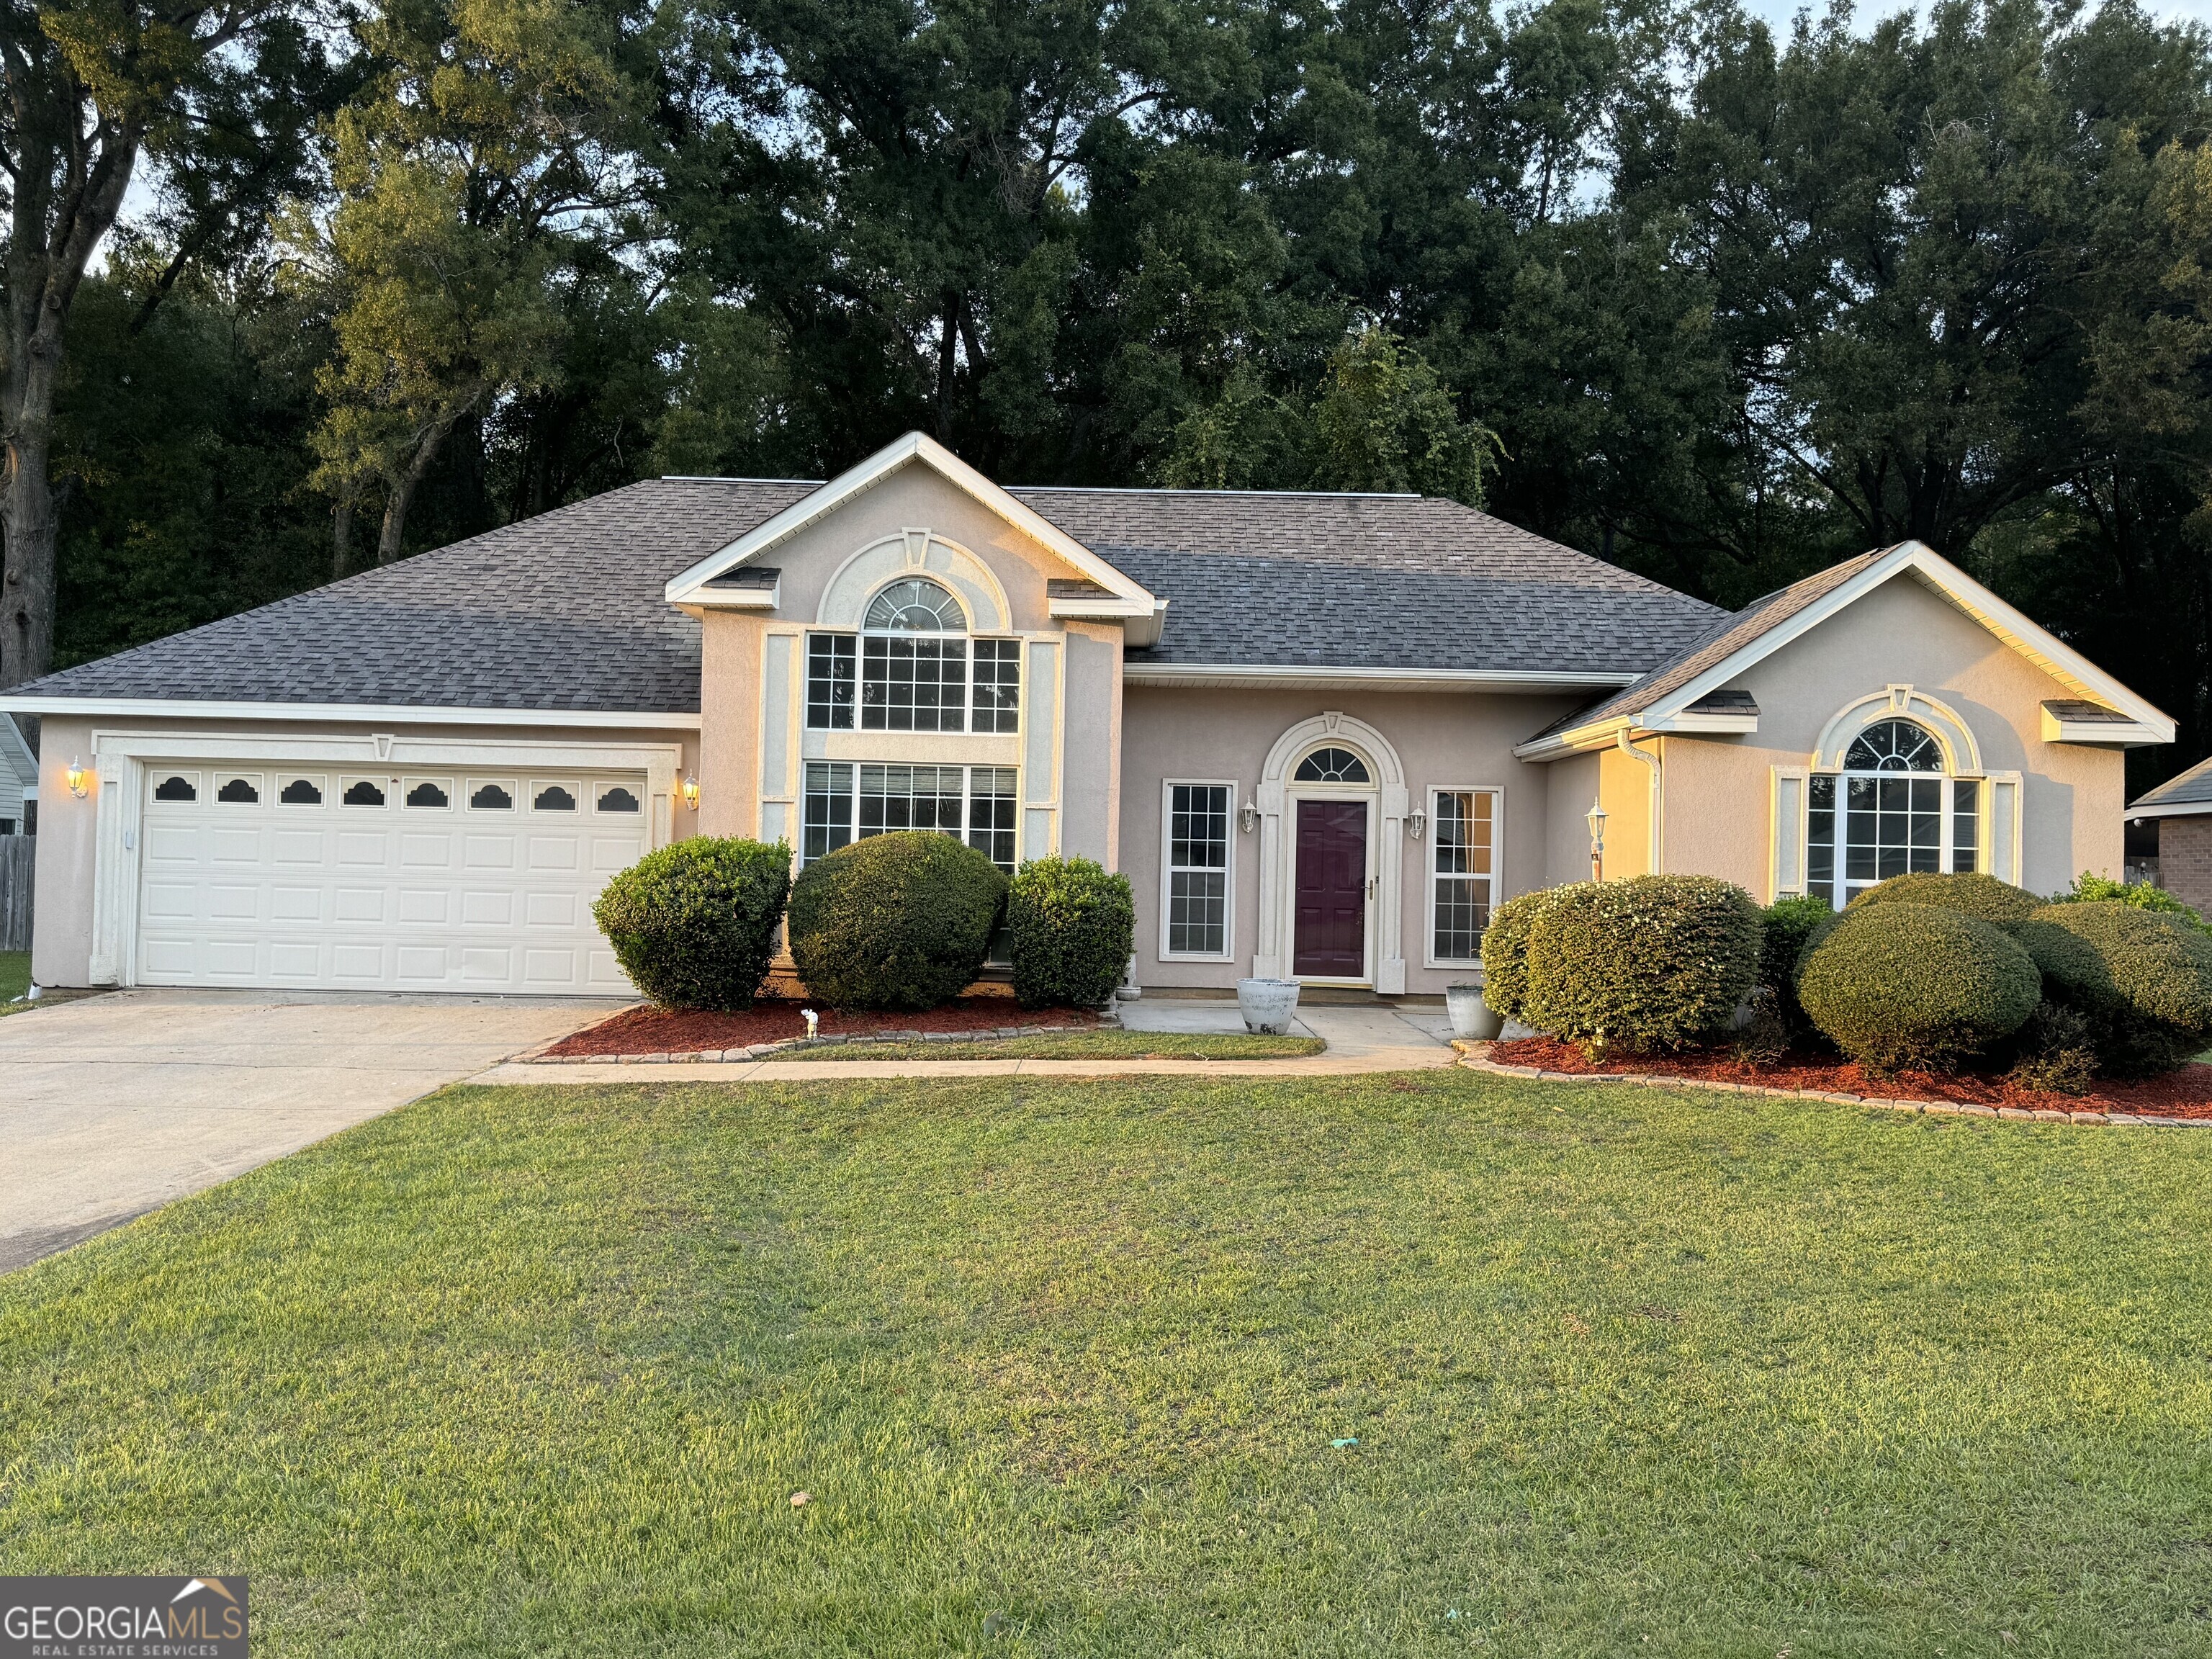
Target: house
{"x": 1322, "y": 734}
{"x": 19, "y": 781}
{"x": 2169, "y": 831}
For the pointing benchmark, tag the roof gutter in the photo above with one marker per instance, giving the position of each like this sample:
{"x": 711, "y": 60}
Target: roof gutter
{"x": 177, "y": 709}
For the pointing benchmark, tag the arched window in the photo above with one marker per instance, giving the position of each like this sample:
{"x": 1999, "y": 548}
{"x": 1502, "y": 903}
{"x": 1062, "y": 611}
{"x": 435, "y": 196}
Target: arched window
{"x": 915, "y": 605}
{"x": 1895, "y": 746}
{"x": 1331, "y": 765}
{"x": 1893, "y": 810}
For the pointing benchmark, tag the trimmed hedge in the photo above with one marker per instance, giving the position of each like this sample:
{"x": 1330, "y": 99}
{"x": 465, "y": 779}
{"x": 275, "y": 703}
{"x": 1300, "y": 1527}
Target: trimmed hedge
{"x": 898, "y": 920}
{"x": 2142, "y": 978}
{"x": 1072, "y": 926}
{"x": 2088, "y": 888}
{"x": 1505, "y": 948}
{"x": 1786, "y": 927}
{"x": 694, "y": 924}
{"x": 1983, "y": 897}
{"x": 1898, "y": 986}
{"x": 1650, "y": 962}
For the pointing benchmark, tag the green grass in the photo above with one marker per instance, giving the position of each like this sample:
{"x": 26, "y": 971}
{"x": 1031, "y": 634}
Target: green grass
{"x": 1081, "y": 1045}
{"x": 14, "y": 979}
{"x": 537, "y": 1370}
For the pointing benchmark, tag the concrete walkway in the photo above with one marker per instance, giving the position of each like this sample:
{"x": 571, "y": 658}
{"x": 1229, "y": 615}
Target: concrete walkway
{"x": 1360, "y": 1039}
{"x": 115, "y": 1105}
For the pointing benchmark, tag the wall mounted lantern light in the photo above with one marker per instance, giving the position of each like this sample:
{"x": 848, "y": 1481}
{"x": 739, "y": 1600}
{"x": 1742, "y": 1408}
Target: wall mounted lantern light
{"x": 691, "y": 793}
{"x": 1417, "y": 821}
{"x": 1248, "y": 816}
{"x": 1597, "y": 841}
{"x": 77, "y": 775}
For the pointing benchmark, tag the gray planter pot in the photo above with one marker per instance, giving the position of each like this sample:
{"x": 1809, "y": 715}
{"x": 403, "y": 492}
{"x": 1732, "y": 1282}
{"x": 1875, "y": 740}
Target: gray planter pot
{"x": 1469, "y": 1017}
{"x": 1269, "y": 1005}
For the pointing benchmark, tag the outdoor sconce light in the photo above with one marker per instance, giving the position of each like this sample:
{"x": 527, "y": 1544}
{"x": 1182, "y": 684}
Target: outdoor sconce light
{"x": 691, "y": 794}
{"x": 1417, "y": 821}
{"x": 1247, "y": 817}
{"x": 1597, "y": 841}
{"x": 76, "y": 777}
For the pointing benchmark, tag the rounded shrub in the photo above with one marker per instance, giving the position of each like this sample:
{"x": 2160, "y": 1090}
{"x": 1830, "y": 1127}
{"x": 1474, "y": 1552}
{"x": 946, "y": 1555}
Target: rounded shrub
{"x": 694, "y": 924}
{"x": 2089, "y": 887}
{"x": 1983, "y": 897}
{"x": 1900, "y": 985}
{"x": 899, "y": 920}
{"x": 1071, "y": 925}
{"x": 1505, "y": 949}
{"x": 1650, "y": 962}
{"x": 2142, "y": 980}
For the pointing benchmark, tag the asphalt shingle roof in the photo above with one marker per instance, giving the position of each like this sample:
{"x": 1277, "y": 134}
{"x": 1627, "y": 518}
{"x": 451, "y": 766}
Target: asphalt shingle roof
{"x": 2190, "y": 788}
{"x": 564, "y": 611}
{"x": 1716, "y": 643}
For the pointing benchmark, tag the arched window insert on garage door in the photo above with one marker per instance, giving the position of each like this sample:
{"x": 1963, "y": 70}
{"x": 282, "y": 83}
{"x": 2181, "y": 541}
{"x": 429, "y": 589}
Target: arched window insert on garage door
{"x": 1894, "y": 809}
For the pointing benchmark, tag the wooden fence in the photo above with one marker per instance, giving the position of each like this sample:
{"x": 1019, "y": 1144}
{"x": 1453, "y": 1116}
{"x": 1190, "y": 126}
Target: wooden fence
{"x": 18, "y": 857}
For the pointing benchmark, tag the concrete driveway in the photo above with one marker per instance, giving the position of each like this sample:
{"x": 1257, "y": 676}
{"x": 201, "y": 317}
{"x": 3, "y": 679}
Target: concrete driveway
{"x": 115, "y": 1105}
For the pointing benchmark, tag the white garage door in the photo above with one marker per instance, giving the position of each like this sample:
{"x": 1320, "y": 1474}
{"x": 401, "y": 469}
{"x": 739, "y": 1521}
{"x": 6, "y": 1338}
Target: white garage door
{"x": 309, "y": 877}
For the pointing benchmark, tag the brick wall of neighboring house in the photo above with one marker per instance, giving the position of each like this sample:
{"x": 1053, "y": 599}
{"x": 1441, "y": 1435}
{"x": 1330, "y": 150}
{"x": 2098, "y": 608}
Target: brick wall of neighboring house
{"x": 2185, "y": 861}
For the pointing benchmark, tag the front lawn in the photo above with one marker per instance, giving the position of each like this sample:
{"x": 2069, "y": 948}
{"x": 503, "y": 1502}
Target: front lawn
{"x": 1080, "y": 1045}
{"x": 14, "y": 979}
{"x": 1431, "y": 1364}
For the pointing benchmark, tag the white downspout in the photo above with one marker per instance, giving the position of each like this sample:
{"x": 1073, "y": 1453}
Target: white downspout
{"x": 1622, "y": 741}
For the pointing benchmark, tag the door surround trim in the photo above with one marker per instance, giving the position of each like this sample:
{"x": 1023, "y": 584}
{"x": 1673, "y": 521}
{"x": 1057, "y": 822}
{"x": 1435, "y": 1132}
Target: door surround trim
{"x": 1272, "y": 959}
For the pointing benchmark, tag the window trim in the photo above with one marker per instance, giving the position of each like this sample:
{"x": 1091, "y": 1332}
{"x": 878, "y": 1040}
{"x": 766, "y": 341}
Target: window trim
{"x": 1947, "y": 846}
{"x": 967, "y": 770}
{"x": 1228, "y": 952}
{"x": 1496, "y": 794}
{"x": 858, "y": 706}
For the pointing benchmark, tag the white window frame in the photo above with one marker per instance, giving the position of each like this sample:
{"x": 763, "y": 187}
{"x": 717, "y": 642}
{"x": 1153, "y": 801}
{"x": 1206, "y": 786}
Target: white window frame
{"x": 1228, "y": 951}
{"x": 1496, "y": 794}
{"x": 967, "y": 770}
{"x": 859, "y": 638}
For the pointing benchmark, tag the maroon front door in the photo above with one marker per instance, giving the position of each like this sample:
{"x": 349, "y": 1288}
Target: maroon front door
{"x": 1330, "y": 939}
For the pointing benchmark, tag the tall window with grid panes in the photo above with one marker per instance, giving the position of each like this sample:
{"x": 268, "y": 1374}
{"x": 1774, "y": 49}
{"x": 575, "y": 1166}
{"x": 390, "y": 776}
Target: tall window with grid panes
{"x": 913, "y": 666}
{"x": 1894, "y": 808}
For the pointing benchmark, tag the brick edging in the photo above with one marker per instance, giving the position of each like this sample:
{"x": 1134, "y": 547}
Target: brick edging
{"x": 1475, "y": 1056}
{"x": 542, "y": 1056}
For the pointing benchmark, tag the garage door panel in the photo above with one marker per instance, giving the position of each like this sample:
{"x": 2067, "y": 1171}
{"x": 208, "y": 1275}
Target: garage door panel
{"x": 482, "y": 907}
{"x": 489, "y": 852}
{"x": 553, "y": 852}
{"x": 425, "y": 906}
{"x": 357, "y": 904}
{"x": 295, "y": 960}
{"x": 229, "y": 903}
{"x": 291, "y": 903}
{"x": 308, "y": 892}
{"x": 309, "y": 847}
{"x": 419, "y": 852}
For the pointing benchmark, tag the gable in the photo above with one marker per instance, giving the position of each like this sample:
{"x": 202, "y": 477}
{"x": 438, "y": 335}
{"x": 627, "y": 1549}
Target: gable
{"x": 915, "y": 506}
{"x": 1680, "y": 696}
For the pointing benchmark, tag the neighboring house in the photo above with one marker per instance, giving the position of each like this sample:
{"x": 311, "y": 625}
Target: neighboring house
{"x": 2170, "y": 832}
{"x": 1323, "y": 734}
{"x": 19, "y": 781}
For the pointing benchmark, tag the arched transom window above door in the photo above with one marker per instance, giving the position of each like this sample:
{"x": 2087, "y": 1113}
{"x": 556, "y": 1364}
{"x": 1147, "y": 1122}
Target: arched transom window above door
{"x": 1330, "y": 764}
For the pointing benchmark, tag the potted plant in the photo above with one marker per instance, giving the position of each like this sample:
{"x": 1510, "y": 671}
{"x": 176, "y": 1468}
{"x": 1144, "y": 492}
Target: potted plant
{"x": 1269, "y": 1005}
{"x": 1470, "y": 1016}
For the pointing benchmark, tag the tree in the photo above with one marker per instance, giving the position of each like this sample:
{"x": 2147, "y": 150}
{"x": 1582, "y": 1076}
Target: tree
{"x": 483, "y": 158}
{"x": 90, "y": 89}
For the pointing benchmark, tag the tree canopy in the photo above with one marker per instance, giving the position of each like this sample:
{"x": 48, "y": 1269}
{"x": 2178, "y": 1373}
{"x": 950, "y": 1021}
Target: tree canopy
{"x": 1716, "y": 302}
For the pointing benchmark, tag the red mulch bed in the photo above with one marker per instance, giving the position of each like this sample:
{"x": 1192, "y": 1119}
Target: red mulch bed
{"x": 676, "y": 1031}
{"x": 2185, "y": 1093}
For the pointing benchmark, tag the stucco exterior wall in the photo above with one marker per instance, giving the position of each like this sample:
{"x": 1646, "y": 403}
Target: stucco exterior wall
{"x": 1443, "y": 741}
{"x": 1718, "y": 818}
{"x": 730, "y": 663}
{"x": 1091, "y": 755}
{"x": 61, "y": 927}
